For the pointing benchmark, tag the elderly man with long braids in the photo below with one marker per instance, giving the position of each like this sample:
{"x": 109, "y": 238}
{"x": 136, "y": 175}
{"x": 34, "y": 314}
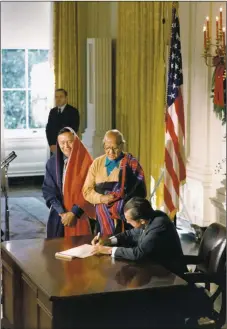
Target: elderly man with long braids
{"x": 65, "y": 174}
{"x": 112, "y": 180}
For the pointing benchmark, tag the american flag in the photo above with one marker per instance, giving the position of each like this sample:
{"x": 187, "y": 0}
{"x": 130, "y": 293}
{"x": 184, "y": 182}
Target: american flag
{"x": 175, "y": 167}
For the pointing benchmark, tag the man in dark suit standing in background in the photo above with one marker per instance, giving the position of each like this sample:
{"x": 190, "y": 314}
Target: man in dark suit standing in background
{"x": 63, "y": 115}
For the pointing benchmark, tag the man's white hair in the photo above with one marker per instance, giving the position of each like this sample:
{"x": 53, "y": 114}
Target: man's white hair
{"x": 117, "y": 133}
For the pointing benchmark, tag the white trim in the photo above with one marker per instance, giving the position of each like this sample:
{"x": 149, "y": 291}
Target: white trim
{"x": 11, "y": 134}
{"x": 26, "y": 89}
{"x": 14, "y": 89}
{"x": 19, "y": 48}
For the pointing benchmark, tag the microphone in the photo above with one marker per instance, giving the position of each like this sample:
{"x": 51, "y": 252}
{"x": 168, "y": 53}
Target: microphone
{"x": 8, "y": 159}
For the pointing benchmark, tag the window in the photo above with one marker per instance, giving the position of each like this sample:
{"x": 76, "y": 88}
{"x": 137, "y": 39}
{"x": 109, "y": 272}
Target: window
{"x": 26, "y": 88}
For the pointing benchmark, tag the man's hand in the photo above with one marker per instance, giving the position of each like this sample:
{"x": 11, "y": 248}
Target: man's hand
{"x": 53, "y": 148}
{"x": 101, "y": 241}
{"x": 95, "y": 241}
{"x": 98, "y": 249}
{"x": 68, "y": 218}
{"x": 106, "y": 198}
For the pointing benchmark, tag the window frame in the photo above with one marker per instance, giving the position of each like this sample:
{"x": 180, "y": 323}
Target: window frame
{"x": 27, "y": 89}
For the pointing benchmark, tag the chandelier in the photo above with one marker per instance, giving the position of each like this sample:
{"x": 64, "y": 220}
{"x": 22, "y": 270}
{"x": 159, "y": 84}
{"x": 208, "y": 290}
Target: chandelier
{"x": 214, "y": 52}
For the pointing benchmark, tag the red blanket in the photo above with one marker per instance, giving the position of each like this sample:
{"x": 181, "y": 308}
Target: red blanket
{"x": 76, "y": 172}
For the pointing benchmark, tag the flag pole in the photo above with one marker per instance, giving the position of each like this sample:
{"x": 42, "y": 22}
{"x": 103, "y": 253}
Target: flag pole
{"x": 155, "y": 189}
{"x": 158, "y": 183}
{"x": 175, "y": 220}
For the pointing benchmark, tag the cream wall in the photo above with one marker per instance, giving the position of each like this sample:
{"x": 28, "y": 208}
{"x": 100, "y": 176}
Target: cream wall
{"x": 204, "y": 133}
{"x": 25, "y": 25}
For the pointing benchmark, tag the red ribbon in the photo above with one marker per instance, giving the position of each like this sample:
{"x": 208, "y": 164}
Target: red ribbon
{"x": 218, "y": 85}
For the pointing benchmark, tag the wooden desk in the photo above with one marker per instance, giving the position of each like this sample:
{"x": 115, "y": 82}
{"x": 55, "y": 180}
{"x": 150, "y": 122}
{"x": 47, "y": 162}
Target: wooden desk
{"x": 42, "y": 292}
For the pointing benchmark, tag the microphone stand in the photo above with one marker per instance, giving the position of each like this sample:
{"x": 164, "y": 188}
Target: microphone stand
{"x": 5, "y": 166}
{"x": 4, "y": 190}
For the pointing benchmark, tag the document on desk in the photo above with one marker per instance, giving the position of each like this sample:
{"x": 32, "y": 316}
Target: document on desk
{"x": 78, "y": 252}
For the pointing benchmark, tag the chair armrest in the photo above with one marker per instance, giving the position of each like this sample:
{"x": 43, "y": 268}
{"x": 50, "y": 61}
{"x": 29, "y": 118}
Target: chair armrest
{"x": 196, "y": 277}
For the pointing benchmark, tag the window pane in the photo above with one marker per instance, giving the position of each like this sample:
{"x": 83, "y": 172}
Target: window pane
{"x": 38, "y": 110}
{"x": 14, "y": 104}
{"x": 13, "y": 68}
{"x": 35, "y": 56}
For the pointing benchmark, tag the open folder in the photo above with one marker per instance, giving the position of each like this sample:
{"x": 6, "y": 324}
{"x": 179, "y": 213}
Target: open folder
{"x": 78, "y": 252}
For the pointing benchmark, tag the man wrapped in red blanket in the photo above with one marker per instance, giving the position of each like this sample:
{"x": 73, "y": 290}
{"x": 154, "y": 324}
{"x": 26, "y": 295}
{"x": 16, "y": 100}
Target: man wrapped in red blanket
{"x": 62, "y": 187}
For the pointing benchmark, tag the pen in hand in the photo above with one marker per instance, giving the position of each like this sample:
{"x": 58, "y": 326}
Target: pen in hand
{"x": 96, "y": 239}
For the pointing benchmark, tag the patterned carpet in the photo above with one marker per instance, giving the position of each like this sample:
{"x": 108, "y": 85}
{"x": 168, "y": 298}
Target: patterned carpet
{"x": 28, "y": 217}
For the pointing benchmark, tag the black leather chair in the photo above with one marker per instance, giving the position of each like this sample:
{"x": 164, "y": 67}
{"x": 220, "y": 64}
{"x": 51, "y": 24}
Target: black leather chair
{"x": 210, "y": 268}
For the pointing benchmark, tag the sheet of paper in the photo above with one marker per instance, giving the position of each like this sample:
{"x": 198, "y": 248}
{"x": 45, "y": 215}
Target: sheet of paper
{"x": 81, "y": 252}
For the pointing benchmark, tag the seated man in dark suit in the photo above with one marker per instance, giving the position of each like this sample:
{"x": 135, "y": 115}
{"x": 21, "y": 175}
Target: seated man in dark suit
{"x": 63, "y": 115}
{"x": 154, "y": 237}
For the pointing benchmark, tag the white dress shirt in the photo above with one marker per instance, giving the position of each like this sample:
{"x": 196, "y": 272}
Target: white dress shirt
{"x": 61, "y": 108}
{"x": 113, "y": 241}
{"x": 64, "y": 172}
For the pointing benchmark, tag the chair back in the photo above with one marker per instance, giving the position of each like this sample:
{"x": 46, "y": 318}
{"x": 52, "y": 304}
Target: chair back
{"x": 212, "y": 252}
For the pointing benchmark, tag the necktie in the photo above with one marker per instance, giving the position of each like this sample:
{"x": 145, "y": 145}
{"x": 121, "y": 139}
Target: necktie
{"x": 59, "y": 110}
{"x": 64, "y": 170}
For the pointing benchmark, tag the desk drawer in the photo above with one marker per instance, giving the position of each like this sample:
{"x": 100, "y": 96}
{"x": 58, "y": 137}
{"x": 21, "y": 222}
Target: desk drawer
{"x": 8, "y": 293}
{"x": 37, "y": 309}
{"x": 29, "y": 303}
{"x": 11, "y": 286}
{"x": 44, "y": 299}
{"x": 44, "y": 316}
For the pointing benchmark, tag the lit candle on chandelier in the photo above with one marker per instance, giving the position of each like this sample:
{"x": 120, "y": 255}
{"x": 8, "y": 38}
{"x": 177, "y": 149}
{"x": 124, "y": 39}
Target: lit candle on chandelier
{"x": 205, "y": 36}
{"x": 223, "y": 36}
{"x": 208, "y": 30}
{"x": 217, "y": 32}
{"x": 220, "y": 19}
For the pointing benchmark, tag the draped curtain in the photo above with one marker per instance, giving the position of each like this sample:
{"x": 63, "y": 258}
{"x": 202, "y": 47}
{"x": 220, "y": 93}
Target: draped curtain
{"x": 143, "y": 31}
{"x": 68, "y": 62}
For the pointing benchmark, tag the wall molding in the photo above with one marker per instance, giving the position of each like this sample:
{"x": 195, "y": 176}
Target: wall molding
{"x": 99, "y": 93}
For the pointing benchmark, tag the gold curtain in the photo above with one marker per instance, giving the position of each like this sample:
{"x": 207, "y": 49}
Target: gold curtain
{"x": 67, "y": 56}
{"x": 141, "y": 82}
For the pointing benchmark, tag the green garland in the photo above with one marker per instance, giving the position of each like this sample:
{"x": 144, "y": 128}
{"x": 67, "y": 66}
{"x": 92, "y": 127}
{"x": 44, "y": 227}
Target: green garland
{"x": 220, "y": 111}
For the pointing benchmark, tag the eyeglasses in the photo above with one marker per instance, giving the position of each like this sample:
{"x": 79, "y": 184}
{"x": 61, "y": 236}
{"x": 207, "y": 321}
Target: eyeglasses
{"x": 114, "y": 149}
